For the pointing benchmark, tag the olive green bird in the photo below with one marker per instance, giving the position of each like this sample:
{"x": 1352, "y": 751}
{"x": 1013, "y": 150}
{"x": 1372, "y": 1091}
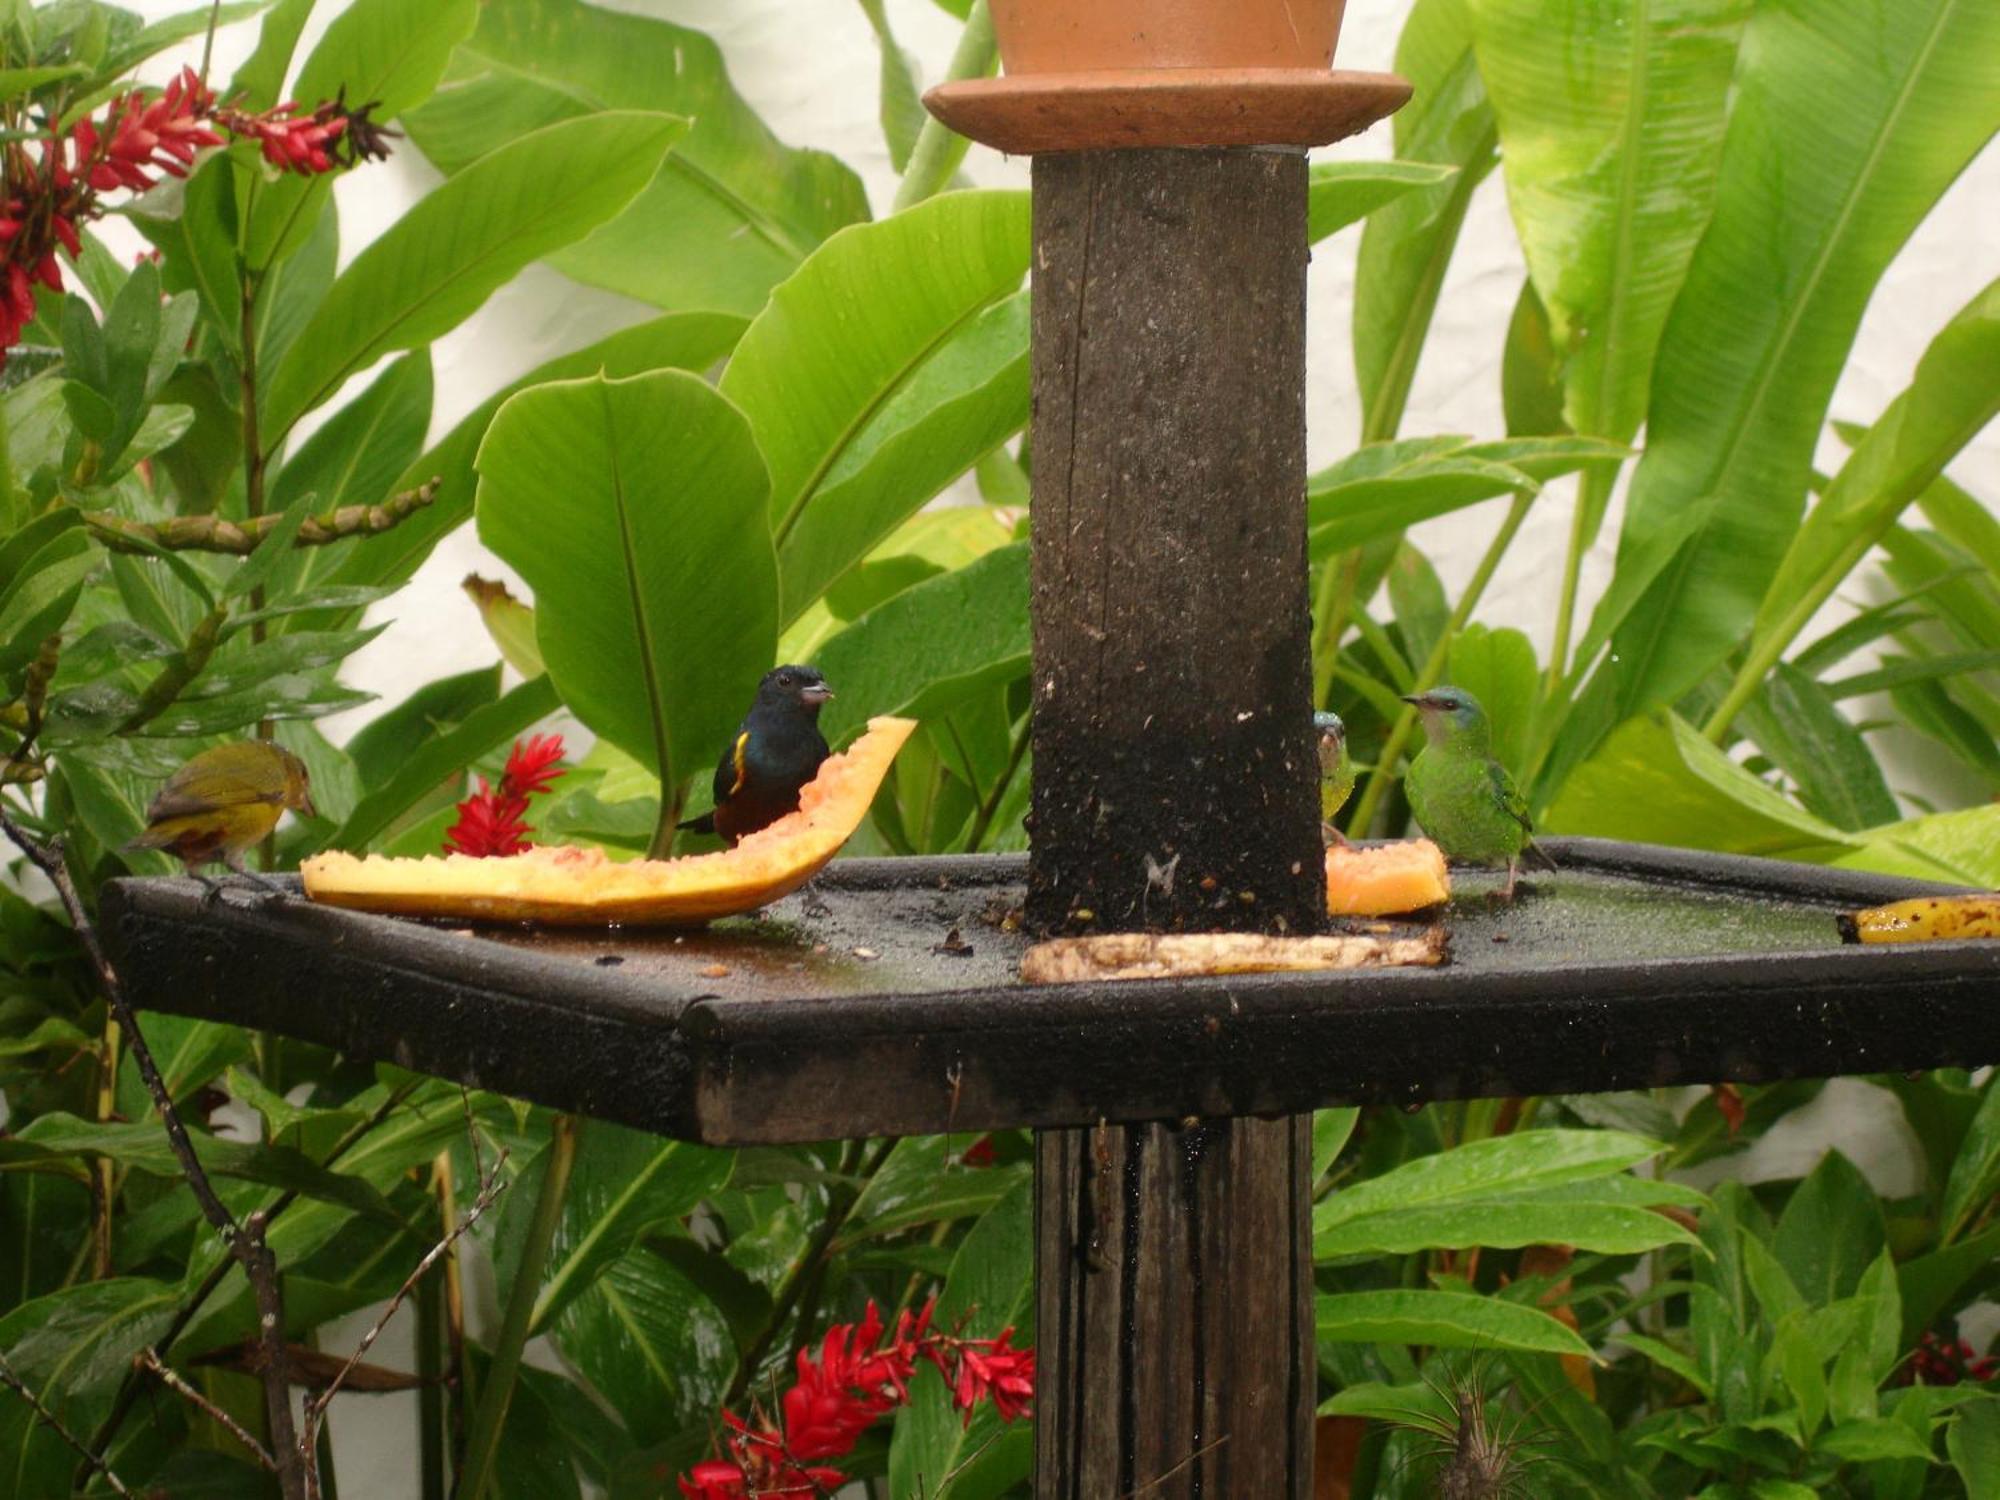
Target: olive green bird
{"x": 223, "y": 801}
{"x": 1336, "y": 772}
{"x": 1462, "y": 797}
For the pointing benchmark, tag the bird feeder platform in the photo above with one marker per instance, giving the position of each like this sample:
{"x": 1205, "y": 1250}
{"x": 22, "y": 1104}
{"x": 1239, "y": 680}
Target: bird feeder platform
{"x": 886, "y": 1001}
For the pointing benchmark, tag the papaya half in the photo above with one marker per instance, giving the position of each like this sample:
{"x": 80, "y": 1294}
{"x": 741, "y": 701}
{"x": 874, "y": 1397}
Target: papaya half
{"x": 582, "y": 887}
{"x": 1385, "y": 880}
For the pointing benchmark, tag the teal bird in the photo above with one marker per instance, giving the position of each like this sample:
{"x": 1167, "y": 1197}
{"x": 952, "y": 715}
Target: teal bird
{"x": 1462, "y": 797}
{"x": 1336, "y": 772}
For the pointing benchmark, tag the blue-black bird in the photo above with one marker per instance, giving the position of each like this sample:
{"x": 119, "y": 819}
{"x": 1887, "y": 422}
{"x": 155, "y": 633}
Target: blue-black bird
{"x": 776, "y": 751}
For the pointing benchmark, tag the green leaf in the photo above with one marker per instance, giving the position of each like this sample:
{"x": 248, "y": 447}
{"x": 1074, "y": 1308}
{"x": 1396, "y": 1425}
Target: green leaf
{"x": 1973, "y": 1442}
{"x": 1772, "y": 300}
{"x": 1611, "y": 125}
{"x": 354, "y": 459}
{"x": 1332, "y": 1129}
{"x": 991, "y": 1287}
{"x": 850, "y": 338}
{"x": 80, "y": 1341}
{"x": 1975, "y": 1174}
{"x": 1482, "y": 1169}
{"x": 931, "y": 646}
{"x": 1951, "y": 397}
{"x": 1531, "y": 371}
{"x": 1658, "y": 781}
{"x": 1505, "y": 1223}
{"x": 1408, "y": 243}
{"x": 1869, "y": 1353}
{"x": 623, "y": 1184}
{"x": 1498, "y": 668}
{"x": 1445, "y": 1320}
{"x": 144, "y": 1148}
{"x": 1795, "y": 723}
{"x": 631, "y": 507}
{"x": 386, "y": 52}
{"x": 1830, "y": 1231}
{"x": 646, "y": 1338}
{"x": 423, "y": 768}
{"x": 901, "y": 114}
{"x": 1869, "y": 1440}
{"x": 682, "y": 341}
{"x": 1668, "y": 1358}
{"x": 918, "y": 1183}
{"x": 260, "y": 82}
{"x": 733, "y": 212}
{"x": 1340, "y": 193}
{"x": 443, "y": 257}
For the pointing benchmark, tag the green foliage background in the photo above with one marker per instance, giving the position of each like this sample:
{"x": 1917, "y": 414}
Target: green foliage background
{"x": 1706, "y": 191}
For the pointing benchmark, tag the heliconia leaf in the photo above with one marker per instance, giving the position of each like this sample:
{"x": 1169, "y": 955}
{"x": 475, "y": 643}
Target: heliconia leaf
{"x": 1611, "y": 124}
{"x": 1507, "y": 1223}
{"x": 931, "y": 645}
{"x": 1795, "y": 723}
{"x": 630, "y": 507}
{"x": 869, "y": 331}
{"x": 1409, "y": 242}
{"x": 678, "y": 341}
{"x": 437, "y": 263}
{"x": 1445, "y": 1320}
{"x": 1867, "y": 134}
{"x": 1975, "y": 1175}
{"x": 1340, "y": 193}
{"x": 733, "y": 212}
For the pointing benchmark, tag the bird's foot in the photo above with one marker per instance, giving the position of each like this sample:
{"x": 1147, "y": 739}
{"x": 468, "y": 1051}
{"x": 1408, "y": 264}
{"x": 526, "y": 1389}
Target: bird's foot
{"x": 1332, "y": 838}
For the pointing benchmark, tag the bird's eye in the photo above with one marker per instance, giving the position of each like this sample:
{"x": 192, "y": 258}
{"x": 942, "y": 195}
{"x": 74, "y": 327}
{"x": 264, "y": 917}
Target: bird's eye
{"x": 785, "y": 679}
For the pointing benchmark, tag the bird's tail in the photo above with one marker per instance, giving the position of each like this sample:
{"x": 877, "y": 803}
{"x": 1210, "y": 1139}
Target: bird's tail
{"x": 703, "y": 824}
{"x": 1542, "y": 856}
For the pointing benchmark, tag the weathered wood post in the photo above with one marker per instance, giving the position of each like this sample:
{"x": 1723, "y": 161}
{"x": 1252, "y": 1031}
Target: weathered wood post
{"x": 1174, "y": 778}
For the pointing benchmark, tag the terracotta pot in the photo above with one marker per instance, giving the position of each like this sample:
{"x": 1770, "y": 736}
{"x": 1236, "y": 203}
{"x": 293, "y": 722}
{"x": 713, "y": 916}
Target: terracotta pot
{"x": 1071, "y": 36}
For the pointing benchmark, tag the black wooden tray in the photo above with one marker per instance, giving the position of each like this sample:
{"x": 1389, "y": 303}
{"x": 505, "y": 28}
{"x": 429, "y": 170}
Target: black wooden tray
{"x": 851, "y": 1010}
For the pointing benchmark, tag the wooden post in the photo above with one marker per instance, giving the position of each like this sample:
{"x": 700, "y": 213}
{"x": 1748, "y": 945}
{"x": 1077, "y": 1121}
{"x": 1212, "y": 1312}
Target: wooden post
{"x": 1174, "y": 780}
{"x": 1174, "y": 786}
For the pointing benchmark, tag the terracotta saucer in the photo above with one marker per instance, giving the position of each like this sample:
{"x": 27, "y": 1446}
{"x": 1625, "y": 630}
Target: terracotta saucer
{"x": 1105, "y": 110}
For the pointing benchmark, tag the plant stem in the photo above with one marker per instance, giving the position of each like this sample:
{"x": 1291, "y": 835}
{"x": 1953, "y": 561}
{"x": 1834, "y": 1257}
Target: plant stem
{"x": 430, "y": 1395}
{"x": 106, "y": 1185}
{"x": 482, "y": 1445}
{"x": 1593, "y": 492}
{"x": 939, "y": 149}
{"x": 1433, "y": 667}
{"x": 1337, "y": 582}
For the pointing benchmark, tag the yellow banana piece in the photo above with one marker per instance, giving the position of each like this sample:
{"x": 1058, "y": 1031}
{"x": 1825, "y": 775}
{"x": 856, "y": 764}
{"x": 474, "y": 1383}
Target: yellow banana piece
{"x": 1926, "y": 919}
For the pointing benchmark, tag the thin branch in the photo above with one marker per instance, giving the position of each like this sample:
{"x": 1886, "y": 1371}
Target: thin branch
{"x": 246, "y": 1240}
{"x": 1153, "y": 1484}
{"x": 172, "y": 1379}
{"x": 212, "y": 533}
{"x": 489, "y": 1190}
{"x": 54, "y": 1423}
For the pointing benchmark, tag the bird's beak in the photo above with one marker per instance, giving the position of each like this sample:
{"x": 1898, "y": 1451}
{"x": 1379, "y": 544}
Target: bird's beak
{"x": 818, "y": 693}
{"x": 1417, "y": 700}
{"x": 306, "y": 807}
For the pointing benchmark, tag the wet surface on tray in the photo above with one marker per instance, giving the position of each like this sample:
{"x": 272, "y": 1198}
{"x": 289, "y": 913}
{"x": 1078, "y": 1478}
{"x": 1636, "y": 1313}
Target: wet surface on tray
{"x": 870, "y": 936}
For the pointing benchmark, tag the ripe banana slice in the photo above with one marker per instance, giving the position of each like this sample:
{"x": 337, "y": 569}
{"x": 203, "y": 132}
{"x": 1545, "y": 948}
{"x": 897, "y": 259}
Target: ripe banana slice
{"x": 1926, "y": 919}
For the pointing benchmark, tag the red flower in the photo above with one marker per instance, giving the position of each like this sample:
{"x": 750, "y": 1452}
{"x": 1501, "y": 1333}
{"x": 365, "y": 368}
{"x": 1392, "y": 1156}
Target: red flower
{"x": 1942, "y": 1361}
{"x": 713, "y": 1479}
{"x": 979, "y": 1154}
{"x": 1006, "y": 1375}
{"x": 291, "y": 142}
{"x": 492, "y": 822}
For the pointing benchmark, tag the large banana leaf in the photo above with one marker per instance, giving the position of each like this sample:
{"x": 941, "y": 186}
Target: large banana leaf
{"x": 634, "y": 509}
{"x": 472, "y": 235}
{"x": 734, "y": 212}
{"x": 1851, "y": 118}
{"x": 1611, "y": 120}
{"x": 677, "y": 341}
{"x": 1408, "y": 243}
{"x": 864, "y": 401}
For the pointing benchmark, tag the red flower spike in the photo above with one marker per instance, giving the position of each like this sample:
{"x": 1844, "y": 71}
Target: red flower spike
{"x": 713, "y": 1479}
{"x": 1006, "y": 1375}
{"x": 492, "y": 822}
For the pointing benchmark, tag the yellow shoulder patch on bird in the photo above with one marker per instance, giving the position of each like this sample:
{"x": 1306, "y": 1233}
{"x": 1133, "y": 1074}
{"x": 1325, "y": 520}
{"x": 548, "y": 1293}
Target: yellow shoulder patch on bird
{"x": 736, "y": 757}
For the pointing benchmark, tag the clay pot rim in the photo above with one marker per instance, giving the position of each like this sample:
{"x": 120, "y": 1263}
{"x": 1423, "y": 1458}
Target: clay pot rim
{"x": 1024, "y": 114}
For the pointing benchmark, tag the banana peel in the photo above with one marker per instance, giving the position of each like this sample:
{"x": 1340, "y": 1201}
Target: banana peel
{"x": 1925, "y": 919}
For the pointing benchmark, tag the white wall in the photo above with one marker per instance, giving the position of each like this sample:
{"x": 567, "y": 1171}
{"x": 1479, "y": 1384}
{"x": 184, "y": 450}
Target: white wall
{"x": 810, "y": 69}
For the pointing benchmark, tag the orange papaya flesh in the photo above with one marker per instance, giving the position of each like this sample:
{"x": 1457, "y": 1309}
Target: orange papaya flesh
{"x": 1386, "y": 880}
{"x": 582, "y": 887}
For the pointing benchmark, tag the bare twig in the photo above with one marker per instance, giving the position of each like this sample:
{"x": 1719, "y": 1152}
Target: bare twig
{"x": 212, "y": 533}
{"x": 34, "y": 698}
{"x": 54, "y": 1423}
{"x": 172, "y": 1379}
{"x": 1156, "y": 1482}
{"x": 246, "y": 1240}
{"x": 489, "y": 1190}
